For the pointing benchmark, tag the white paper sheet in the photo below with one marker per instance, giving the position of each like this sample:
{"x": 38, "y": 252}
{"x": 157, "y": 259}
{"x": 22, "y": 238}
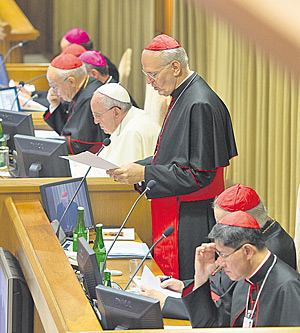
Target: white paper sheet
{"x": 92, "y": 160}
{"x": 46, "y": 134}
{"x": 31, "y": 105}
{"x": 127, "y": 249}
{"x": 149, "y": 280}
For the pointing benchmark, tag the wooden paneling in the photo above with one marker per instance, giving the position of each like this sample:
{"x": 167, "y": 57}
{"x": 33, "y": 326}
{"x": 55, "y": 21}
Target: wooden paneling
{"x": 57, "y": 294}
{"x": 110, "y": 201}
{"x": 16, "y": 27}
{"x": 26, "y": 72}
{"x": 40, "y": 14}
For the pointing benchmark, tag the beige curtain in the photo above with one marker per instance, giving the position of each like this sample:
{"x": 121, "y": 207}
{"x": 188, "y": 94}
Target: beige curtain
{"x": 263, "y": 98}
{"x": 113, "y": 25}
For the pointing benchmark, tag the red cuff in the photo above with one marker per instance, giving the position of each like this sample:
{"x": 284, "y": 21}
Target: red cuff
{"x": 188, "y": 290}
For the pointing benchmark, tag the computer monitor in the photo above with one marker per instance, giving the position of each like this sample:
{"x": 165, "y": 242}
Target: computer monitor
{"x": 88, "y": 267}
{"x": 124, "y": 310}
{"x": 16, "y": 304}
{"x": 56, "y": 196}
{"x": 9, "y": 99}
{"x": 16, "y": 123}
{"x": 37, "y": 157}
{"x": 4, "y": 80}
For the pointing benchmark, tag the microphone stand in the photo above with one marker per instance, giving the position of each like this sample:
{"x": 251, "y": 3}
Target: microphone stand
{"x": 35, "y": 78}
{"x": 21, "y": 85}
{"x": 106, "y": 142}
{"x": 166, "y": 233}
{"x": 21, "y": 44}
{"x": 30, "y": 99}
{"x": 150, "y": 184}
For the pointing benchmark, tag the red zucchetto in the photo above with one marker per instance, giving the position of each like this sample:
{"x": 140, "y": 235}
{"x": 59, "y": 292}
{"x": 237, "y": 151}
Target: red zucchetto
{"x": 240, "y": 219}
{"x": 74, "y": 49}
{"x": 162, "y": 42}
{"x": 238, "y": 197}
{"x": 93, "y": 58}
{"x": 66, "y": 61}
{"x": 77, "y": 35}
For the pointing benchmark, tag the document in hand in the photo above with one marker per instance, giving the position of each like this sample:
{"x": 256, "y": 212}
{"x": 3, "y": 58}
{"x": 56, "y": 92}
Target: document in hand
{"x": 149, "y": 280}
{"x": 127, "y": 249}
{"x": 91, "y": 160}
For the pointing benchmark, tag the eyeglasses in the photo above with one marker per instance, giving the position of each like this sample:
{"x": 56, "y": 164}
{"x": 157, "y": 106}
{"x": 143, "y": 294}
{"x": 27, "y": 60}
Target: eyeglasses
{"x": 56, "y": 85}
{"x": 154, "y": 75}
{"x": 98, "y": 115}
{"x": 224, "y": 256}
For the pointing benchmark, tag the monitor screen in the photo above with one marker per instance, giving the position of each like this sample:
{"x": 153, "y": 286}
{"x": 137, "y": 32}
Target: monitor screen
{"x": 56, "y": 196}
{"x": 4, "y": 81}
{"x": 16, "y": 123}
{"x": 124, "y": 310}
{"x": 37, "y": 157}
{"x": 16, "y": 304}
{"x": 9, "y": 99}
{"x": 88, "y": 266}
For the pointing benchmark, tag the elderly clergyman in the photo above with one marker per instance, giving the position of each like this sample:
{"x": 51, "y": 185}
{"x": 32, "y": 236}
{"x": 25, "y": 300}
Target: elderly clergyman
{"x": 69, "y": 82}
{"x": 133, "y": 133}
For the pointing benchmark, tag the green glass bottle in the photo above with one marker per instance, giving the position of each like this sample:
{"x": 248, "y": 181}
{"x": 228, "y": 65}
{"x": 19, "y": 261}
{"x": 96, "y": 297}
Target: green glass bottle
{"x": 106, "y": 279}
{"x": 2, "y": 139}
{"x": 80, "y": 229}
{"x": 99, "y": 247}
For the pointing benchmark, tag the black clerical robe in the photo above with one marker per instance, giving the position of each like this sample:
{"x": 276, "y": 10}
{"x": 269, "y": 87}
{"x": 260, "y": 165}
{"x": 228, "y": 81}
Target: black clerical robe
{"x": 195, "y": 144}
{"x": 76, "y": 122}
{"x": 277, "y": 305}
{"x": 277, "y": 240}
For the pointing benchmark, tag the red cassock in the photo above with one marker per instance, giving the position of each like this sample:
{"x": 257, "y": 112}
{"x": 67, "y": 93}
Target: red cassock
{"x": 195, "y": 144}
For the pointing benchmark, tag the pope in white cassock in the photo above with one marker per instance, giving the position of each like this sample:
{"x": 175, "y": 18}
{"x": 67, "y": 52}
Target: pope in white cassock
{"x": 133, "y": 133}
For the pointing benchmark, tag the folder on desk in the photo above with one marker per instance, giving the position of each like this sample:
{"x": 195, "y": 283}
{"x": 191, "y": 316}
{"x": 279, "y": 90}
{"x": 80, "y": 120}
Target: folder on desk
{"x": 127, "y": 249}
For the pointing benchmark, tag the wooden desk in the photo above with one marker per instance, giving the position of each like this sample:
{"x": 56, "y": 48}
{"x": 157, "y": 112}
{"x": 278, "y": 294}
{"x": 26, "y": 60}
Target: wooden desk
{"x": 110, "y": 201}
{"x": 25, "y": 72}
{"x": 60, "y": 304}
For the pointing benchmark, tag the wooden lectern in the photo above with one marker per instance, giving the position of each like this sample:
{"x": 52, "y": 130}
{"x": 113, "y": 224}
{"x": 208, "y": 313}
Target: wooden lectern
{"x": 15, "y": 27}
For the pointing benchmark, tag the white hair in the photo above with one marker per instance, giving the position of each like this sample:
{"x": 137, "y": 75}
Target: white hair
{"x": 179, "y": 54}
{"x": 79, "y": 72}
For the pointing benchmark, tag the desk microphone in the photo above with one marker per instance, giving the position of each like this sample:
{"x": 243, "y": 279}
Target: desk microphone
{"x": 149, "y": 186}
{"x": 35, "y": 78}
{"x": 105, "y": 143}
{"x": 30, "y": 99}
{"x": 21, "y": 85}
{"x": 21, "y": 44}
{"x": 166, "y": 233}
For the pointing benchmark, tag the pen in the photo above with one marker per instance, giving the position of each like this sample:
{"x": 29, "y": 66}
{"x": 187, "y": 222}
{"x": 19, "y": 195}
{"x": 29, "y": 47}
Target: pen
{"x": 216, "y": 270}
{"x": 166, "y": 278}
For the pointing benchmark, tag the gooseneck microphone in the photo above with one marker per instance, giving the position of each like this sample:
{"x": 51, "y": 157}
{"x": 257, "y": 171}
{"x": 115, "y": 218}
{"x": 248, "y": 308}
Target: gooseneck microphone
{"x": 106, "y": 142}
{"x": 30, "y": 99}
{"x": 149, "y": 186}
{"x": 35, "y": 78}
{"x": 21, "y": 85}
{"x": 165, "y": 234}
{"x": 20, "y": 44}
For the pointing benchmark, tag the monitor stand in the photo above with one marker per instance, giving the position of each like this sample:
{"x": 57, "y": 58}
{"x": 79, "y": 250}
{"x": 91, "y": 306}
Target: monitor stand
{"x": 34, "y": 170}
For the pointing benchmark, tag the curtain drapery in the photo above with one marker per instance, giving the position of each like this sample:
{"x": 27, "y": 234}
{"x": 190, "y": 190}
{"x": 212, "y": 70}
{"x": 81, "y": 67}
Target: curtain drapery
{"x": 114, "y": 26}
{"x": 263, "y": 98}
